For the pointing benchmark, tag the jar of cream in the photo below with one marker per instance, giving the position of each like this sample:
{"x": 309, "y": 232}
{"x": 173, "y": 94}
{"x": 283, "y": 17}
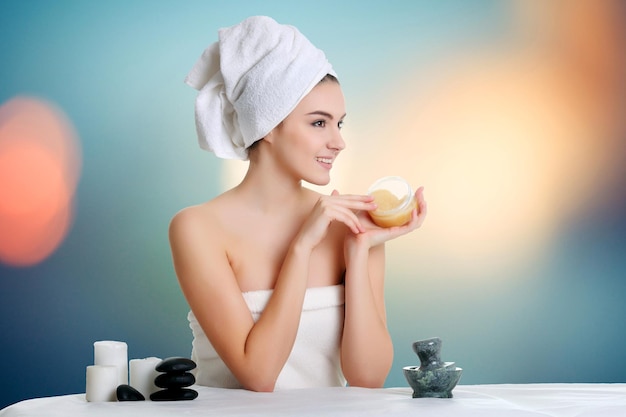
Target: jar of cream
{"x": 395, "y": 200}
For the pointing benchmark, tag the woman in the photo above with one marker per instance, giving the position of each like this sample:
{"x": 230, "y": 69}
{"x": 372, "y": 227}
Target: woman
{"x": 285, "y": 285}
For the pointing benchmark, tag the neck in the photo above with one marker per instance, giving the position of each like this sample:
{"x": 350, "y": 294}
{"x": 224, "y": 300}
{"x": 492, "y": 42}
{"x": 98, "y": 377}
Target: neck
{"x": 268, "y": 189}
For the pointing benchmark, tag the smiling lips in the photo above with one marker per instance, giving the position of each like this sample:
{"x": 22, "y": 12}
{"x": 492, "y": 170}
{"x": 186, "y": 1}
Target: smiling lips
{"x": 328, "y": 162}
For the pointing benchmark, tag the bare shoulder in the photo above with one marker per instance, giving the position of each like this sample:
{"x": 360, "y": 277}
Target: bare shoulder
{"x": 196, "y": 225}
{"x": 198, "y": 256}
{"x": 207, "y": 214}
{"x": 192, "y": 219}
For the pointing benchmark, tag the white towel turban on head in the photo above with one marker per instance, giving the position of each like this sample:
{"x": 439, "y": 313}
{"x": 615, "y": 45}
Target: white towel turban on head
{"x": 249, "y": 81}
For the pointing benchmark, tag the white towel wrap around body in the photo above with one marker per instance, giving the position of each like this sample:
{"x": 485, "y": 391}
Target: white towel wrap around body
{"x": 315, "y": 357}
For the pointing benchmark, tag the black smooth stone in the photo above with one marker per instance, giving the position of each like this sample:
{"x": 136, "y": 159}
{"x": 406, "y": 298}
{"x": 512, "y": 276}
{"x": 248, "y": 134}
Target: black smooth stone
{"x": 174, "y": 380}
{"x": 175, "y": 365}
{"x": 128, "y": 393}
{"x": 174, "y": 394}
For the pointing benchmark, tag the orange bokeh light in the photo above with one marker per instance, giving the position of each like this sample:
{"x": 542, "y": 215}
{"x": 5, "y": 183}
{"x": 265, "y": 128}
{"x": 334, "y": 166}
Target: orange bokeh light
{"x": 514, "y": 141}
{"x": 39, "y": 168}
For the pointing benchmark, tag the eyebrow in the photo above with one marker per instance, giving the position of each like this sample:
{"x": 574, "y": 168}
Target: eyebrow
{"x": 325, "y": 114}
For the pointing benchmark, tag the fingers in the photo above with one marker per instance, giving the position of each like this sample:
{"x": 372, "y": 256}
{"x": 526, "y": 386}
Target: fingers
{"x": 419, "y": 213}
{"x": 419, "y": 196}
{"x": 422, "y": 206}
{"x": 352, "y": 201}
{"x": 352, "y": 197}
{"x": 348, "y": 218}
{"x": 339, "y": 209}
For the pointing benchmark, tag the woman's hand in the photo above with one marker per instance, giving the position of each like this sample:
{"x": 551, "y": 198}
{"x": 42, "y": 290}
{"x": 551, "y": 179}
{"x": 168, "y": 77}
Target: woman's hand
{"x": 335, "y": 207}
{"x": 373, "y": 235}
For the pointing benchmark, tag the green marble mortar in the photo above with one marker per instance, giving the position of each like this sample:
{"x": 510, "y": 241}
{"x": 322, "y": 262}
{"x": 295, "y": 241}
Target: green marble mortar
{"x": 433, "y": 378}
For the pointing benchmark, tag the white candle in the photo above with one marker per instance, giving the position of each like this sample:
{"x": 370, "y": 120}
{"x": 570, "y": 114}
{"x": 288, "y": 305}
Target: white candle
{"x": 101, "y": 383}
{"x": 110, "y": 353}
{"x": 142, "y": 375}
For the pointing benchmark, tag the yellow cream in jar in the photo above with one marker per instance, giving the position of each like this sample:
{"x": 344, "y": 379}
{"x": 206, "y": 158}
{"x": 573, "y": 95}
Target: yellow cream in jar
{"x": 395, "y": 200}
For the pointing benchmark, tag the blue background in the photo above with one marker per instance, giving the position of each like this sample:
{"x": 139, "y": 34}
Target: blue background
{"x": 538, "y": 296}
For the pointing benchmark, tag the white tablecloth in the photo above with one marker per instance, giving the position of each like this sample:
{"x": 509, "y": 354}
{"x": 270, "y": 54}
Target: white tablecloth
{"x": 592, "y": 400}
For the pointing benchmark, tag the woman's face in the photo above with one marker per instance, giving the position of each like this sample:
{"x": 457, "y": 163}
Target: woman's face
{"x": 307, "y": 142}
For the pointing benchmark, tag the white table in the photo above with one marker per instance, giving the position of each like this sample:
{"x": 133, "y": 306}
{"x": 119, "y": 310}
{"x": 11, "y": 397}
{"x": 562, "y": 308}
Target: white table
{"x": 592, "y": 400}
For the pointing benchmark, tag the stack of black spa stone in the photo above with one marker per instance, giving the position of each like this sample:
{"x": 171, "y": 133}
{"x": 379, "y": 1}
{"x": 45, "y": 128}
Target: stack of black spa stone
{"x": 174, "y": 379}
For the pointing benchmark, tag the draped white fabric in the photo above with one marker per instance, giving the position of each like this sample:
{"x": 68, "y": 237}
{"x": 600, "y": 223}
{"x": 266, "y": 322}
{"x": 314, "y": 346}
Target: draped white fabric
{"x": 567, "y": 400}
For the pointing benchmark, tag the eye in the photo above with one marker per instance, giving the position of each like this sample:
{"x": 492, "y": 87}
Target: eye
{"x": 340, "y": 124}
{"x": 319, "y": 123}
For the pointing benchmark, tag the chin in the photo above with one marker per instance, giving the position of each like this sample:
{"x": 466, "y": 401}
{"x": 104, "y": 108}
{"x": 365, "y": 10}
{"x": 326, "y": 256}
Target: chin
{"x": 319, "y": 181}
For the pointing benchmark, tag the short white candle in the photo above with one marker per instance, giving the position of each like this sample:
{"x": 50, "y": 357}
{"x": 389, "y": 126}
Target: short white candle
{"x": 143, "y": 374}
{"x": 111, "y": 353}
{"x": 101, "y": 383}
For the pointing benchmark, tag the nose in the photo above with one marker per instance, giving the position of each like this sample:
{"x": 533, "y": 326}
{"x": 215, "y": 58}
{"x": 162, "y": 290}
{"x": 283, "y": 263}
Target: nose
{"x": 336, "y": 141}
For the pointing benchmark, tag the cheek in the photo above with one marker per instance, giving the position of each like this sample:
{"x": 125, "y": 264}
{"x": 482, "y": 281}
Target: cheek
{"x": 297, "y": 140}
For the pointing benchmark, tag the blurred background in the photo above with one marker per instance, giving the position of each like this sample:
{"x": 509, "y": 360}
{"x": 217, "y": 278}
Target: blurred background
{"x": 509, "y": 113}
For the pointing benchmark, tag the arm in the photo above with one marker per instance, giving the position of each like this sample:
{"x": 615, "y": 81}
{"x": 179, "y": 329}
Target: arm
{"x": 366, "y": 347}
{"x": 254, "y": 352}
{"x": 367, "y": 350}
